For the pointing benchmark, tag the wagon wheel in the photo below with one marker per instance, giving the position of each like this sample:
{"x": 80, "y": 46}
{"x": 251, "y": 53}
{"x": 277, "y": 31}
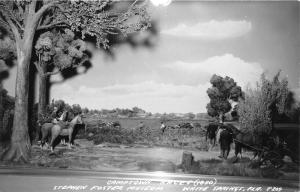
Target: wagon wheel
{"x": 274, "y": 158}
{"x": 292, "y": 155}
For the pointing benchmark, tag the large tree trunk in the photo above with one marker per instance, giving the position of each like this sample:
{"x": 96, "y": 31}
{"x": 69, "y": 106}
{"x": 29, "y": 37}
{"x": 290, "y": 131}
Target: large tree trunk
{"x": 42, "y": 98}
{"x": 43, "y": 91}
{"x": 1, "y": 106}
{"x": 19, "y": 149}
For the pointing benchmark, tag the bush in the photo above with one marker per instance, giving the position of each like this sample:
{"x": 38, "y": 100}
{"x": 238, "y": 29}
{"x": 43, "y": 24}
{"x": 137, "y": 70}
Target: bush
{"x": 111, "y": 135}
{"x": 6, "y": 115}
{"x": 99, "y": 132}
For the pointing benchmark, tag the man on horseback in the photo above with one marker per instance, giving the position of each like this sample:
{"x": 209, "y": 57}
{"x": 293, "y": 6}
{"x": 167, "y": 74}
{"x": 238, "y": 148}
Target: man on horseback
{"x": 55, "y": 115}
{"x": 59, "y": 117}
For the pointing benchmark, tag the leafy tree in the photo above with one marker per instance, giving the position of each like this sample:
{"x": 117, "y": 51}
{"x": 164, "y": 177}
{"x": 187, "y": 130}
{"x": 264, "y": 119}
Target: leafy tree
{"x": 23, "y": 19}
{"x": 6, "y": 106}
{"x": 68, "y": 107}
{"x": 138, "y": 110}
{"x": 222, "y": 91}
{"x": 7, "y": 53}
{"x": 76, "y": 109}
{"x": 59, "y": 50}
{"x": 190, "y": 116}
{"x": 257, "y": 111}
{"x": 85, "y": 110}
{"x": 60, "y": 104}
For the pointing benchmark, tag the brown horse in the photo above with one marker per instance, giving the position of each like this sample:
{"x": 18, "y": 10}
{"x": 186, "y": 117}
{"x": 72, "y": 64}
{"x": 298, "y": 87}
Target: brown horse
{"x": 58, "y": 130}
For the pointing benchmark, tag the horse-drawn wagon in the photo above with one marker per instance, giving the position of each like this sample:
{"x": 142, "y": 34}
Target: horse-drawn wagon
{"x": 272, "y": 148}
{"x": 287, "y": 136}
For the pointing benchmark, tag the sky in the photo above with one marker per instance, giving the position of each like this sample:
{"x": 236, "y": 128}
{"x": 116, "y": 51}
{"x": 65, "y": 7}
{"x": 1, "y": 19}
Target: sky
{"x": 194, "y": 41}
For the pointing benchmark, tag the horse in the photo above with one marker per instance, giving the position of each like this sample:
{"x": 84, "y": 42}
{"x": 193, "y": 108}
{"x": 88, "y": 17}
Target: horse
{"x": 46, "y": 127}
{"x": 226, "y": 138}
{"x": 58, "y": 130}
{"x": 257, "y": 143}
{"x": 211, "y": 130}
{"x": 185, "y": 126}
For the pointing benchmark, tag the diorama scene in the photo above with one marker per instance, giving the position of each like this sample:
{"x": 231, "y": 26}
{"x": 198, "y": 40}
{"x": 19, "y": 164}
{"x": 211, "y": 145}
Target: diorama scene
{"x": 189, "y": 87}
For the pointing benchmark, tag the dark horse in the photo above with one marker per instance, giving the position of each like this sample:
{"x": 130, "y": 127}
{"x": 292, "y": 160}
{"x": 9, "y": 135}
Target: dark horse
{"x": 226, "y": 138}
{"x": 211, "y": 131}
{"x": 248, "y": 141}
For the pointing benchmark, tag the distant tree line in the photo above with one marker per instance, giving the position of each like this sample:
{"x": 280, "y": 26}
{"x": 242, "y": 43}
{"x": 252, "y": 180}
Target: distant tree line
{"x": 137, "y": 112}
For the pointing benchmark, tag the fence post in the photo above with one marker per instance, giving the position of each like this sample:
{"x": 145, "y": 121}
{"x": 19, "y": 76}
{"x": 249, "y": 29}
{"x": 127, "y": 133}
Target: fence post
{"x": 187, "y": 160}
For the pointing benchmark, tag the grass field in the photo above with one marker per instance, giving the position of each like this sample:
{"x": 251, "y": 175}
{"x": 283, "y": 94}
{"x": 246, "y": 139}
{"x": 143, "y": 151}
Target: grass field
{"x": 150, "y": 134}
{"x": 132, "y": 149}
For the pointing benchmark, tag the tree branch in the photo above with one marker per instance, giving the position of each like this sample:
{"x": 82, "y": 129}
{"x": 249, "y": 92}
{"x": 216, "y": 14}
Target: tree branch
{"x": 44, "y": 8}
{"x": 5, "y": 24}
{"x": 38, "y": 68}
{"x": 52, "y": 73}
{"x": 8, "y": 13}
{"x": 13, "y": 27}
{"x": 53, "y": 25}
{"x": 32, "y": 7}
{"x": 81, "y": 62}
{"x": 18, "y": 24}
{"x": 20, "y": 8}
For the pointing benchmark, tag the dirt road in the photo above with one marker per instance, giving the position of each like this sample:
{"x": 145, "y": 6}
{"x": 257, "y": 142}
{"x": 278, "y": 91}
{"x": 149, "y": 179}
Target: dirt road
{"x": 115, "y": 157}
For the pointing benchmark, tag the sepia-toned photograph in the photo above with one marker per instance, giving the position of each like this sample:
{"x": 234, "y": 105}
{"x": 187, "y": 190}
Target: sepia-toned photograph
{"x": 149, "y": 95}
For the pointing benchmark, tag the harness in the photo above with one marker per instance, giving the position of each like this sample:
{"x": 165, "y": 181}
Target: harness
{"x": 248, "y": 145}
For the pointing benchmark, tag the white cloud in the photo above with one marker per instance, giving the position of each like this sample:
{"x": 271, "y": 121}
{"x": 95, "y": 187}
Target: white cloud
{"x": 225, "y": 65}
{"x": 163, "y": 96}
{"x": 212, "y": 30}
{"x": 149, "y": 95}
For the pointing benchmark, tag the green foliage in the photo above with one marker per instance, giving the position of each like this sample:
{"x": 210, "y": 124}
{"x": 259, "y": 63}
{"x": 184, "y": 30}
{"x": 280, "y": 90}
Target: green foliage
{"x": 60, "y": 104}
{"x": 275, "y": 92}
{"x": 254, "y": 114}
{"x": 190, "y": 116}
{"x": 60, "y": 49}
{"x": 222, "y": 91}
{"x": 112, "y": 135}
{"x": 6, "y": 115}
{"x": 76, "y": 109}
{"x": 149, "y": 133}
{"x": 85, "y": 110}
{"x": 93, "y": 18}
{"x": 100, "y": 18}
{"x": 257, "y": 111}
{"x": 7, "y": 50}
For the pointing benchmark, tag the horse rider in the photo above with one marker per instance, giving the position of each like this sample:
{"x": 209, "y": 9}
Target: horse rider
{"x": 163, "y": 127}
{"x": 141, "y": 126}
{"x": 219, "y": 130}
{"x": 58, "y": 117}
{"x": 55, "y": 115}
